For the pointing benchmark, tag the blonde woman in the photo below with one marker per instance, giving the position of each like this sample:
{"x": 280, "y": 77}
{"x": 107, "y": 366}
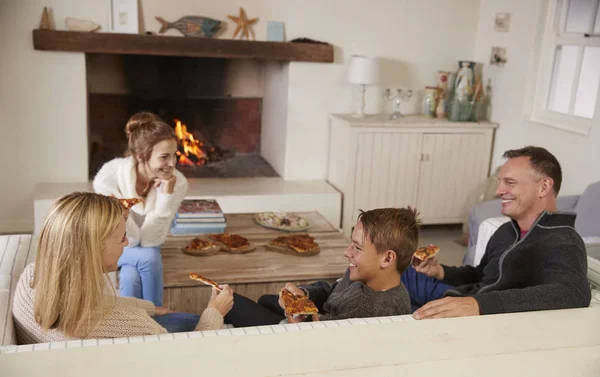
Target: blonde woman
{"x": 147, "y": 172}
{"x": 63, "y": 294}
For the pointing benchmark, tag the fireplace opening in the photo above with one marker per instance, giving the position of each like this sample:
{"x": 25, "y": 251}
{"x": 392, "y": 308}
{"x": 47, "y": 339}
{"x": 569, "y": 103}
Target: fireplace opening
{"x": 214, "y": 106}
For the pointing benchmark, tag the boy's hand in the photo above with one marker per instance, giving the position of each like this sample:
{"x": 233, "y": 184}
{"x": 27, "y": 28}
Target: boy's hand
{"x": 297, "y": 319}
{"x": 429, "y": 267}
{"x": 293, "y": 290}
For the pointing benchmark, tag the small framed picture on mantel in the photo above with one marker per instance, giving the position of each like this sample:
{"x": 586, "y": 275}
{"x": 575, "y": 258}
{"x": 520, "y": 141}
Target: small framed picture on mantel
{"x": 124, "y": 16}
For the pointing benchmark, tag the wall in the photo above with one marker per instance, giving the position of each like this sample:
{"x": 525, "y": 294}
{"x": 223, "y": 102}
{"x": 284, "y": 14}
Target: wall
{"x": 42, "y": 93}
{"x": 579, "y": 155}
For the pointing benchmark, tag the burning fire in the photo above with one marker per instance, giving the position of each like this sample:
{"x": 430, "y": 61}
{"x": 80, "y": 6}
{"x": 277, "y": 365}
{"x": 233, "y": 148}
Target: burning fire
{"x": 191, "y": 147}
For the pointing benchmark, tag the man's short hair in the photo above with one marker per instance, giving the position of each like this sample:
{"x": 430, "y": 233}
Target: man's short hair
{"x": 542, "y": 161}
{"x": 394, "y": 229}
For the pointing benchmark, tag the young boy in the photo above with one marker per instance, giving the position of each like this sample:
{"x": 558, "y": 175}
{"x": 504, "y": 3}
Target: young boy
{"x": 383, "y": 242}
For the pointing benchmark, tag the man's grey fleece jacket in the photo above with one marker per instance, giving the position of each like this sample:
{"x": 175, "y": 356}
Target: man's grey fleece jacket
{"x": 546, "y": 269}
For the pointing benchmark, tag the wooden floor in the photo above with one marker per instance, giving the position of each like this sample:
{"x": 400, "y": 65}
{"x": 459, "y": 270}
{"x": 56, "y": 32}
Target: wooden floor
{"x": 240, "y": 166}
{"x": 254, "y": 274}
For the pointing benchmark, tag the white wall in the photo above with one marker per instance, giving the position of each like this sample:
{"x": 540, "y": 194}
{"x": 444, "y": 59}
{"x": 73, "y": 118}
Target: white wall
{"x": 43, "y": 113}
{"x": 578, "y": 155}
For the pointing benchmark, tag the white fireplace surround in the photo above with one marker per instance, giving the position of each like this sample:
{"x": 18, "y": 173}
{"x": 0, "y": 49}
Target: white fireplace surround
{"x": 268, "y": 80}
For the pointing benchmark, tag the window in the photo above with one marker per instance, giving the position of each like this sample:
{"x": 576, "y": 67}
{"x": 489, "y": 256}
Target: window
{"x": 568, "y": 82}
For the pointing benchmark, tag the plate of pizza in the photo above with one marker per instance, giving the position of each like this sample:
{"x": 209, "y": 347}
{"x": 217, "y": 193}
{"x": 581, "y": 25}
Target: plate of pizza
{"x": 129, "y": 202}
{"x": 297, "y": 305}
{"x": 201, "y": 247}
{"x": 232, "y": 243}
{"x": 287, "y": 222}
{"x": 298, "y": 244}
{"x": 426, "y": 252}
{"x": 205, "y": 280}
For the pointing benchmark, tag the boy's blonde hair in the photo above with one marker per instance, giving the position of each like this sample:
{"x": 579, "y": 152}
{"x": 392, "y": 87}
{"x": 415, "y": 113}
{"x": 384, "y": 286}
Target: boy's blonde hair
{"x": 69, "y": 282}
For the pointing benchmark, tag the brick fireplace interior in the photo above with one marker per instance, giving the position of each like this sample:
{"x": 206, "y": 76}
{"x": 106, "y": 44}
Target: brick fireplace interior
{"x": 218, "y": 100}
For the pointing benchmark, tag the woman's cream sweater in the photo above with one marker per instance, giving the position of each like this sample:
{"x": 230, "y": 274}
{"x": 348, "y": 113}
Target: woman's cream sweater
{"x": 128, "y": 317}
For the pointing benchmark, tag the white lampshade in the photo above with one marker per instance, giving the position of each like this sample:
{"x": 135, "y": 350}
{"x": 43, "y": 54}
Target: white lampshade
{"x": 363, "y": 70}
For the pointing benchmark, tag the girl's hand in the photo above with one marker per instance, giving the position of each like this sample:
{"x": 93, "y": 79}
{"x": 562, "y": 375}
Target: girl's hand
{"x": 168, "y": 185}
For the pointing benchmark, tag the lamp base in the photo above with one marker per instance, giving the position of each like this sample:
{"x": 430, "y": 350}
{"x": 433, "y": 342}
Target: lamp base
{"x": 360, "y": 109}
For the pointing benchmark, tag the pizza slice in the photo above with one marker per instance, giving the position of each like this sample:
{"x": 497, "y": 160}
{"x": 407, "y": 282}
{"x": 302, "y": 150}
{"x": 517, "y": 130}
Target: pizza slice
{"x": 231, "y": 241}
{"x": 199, "y": 244}
{"x": 426, "y": 252}
{"x": 302, "y": 243}
{"x": 205, "y": 280}
{"x": 297, "y": 305}
{"x": 128, "y": 203}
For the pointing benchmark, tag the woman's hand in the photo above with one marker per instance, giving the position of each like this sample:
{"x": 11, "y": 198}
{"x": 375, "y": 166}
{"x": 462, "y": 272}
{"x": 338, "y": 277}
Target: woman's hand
{"x": 222, "y": 301}
{"x": 168, "y": 185}
{"x": 160, "y": 310}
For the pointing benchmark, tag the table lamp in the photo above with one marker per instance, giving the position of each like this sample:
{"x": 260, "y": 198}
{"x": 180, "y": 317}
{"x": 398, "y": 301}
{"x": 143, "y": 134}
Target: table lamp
{"x": 363, "y": 70}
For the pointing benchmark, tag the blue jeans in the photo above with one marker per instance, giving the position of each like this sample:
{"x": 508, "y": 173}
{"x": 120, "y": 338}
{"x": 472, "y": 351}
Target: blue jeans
{"x": 421, "y": 288}
{"x": 178, "y": 322}
{"x": 141, "y": 274}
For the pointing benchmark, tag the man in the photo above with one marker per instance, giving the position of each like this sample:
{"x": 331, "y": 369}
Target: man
{"x": 383, "y": 242}
{"x": 537, "y": 261}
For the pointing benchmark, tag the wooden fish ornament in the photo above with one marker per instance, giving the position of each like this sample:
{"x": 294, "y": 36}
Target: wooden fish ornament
{"x": 192, "y": 26}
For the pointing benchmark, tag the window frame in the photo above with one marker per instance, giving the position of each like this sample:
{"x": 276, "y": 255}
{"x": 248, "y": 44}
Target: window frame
{"x": 553, "y": 35}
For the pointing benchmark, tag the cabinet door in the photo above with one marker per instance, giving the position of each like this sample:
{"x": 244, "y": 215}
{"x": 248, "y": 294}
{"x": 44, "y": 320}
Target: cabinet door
{"x": 452, "y": 167}
{"x": 387, "y": 170}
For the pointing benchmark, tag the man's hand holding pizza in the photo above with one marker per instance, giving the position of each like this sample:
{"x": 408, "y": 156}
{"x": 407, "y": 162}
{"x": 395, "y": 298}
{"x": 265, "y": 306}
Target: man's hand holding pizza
{"x": 429, "y": 267}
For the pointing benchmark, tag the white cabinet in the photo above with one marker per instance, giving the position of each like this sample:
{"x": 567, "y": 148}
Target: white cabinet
{"x": 429, "y": 164}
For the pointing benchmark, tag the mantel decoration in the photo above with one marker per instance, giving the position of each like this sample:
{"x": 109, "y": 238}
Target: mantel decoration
{"x": 45, "y": 21}
{"x": 124, "y": 16}
{"x": 192, "y": 26}
{"x": 75, "y": 24}
{"x": 243, "y": 25}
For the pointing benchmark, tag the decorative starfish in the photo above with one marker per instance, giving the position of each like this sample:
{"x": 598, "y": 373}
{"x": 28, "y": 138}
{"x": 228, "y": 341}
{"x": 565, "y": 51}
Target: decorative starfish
{"x": 243, "y": 24}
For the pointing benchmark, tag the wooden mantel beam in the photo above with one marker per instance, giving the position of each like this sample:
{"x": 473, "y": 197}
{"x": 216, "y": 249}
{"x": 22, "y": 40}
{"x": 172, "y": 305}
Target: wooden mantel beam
{"x": 135, "y": 44}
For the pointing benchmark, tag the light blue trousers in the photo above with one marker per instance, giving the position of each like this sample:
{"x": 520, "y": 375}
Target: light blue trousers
{"x": 141, "y": 274}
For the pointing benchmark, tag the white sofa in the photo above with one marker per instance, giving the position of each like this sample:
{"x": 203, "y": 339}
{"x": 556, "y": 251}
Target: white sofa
{"x": 17, "y": 251}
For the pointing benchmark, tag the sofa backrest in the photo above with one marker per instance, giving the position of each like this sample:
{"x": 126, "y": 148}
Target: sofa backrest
{"x": 16, "y": 252}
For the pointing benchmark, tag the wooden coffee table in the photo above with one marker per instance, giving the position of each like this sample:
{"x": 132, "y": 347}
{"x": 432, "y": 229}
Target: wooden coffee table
{"x": 256, "y": 273}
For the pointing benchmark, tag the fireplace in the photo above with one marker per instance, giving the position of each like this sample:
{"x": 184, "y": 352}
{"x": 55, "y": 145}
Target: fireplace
{"x": 215, "y": 105}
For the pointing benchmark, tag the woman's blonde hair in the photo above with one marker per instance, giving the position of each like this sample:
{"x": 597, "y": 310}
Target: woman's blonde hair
{"x": 144, "y": 130}
{"x": 69, "y": 281}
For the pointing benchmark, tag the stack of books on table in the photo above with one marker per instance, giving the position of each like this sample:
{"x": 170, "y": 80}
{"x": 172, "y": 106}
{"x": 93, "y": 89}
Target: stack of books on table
{"x": 199, "y": 216}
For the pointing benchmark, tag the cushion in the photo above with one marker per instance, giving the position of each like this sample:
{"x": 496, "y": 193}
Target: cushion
{"x": 588, "y": 211}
